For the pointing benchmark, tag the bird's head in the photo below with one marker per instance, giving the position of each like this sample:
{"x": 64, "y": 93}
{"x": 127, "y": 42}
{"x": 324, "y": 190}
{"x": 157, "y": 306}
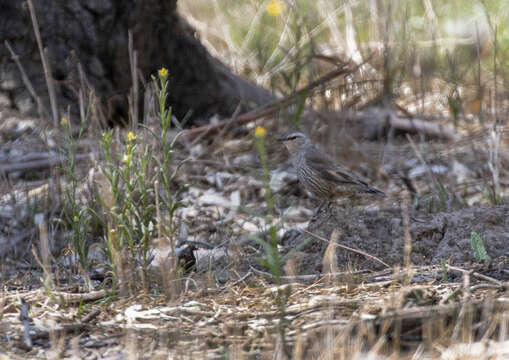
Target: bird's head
{"x": 293, "y": 140}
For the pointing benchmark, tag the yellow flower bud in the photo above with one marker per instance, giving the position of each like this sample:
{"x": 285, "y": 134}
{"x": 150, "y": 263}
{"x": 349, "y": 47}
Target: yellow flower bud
{"x": 131, "y": 136}
{"x": 260, "y": 131}
{"x": 163, "y": 73}
{"x": 275, "y": 8}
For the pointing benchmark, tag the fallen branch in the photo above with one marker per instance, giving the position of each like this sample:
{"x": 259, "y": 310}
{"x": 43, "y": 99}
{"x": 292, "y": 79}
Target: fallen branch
{"x": 267, "y": 109}
{"x": 67, "y": 297}
{"x": 43, "y": 112}
{"x": 314, "y": 277}
{"x": 406, "y": 124}
{"x": 410, "y": 319}
{"x": 498, "y": 283}
{"x": 39, "y": 164}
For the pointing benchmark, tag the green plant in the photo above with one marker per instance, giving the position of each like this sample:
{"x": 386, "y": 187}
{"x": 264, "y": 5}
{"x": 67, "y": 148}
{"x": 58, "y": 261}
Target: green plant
{"x": 166, "y": 173}
{"x": 129, "y": 211}
{"x": 78, "y": 215}
{"x": 443, "y": 196}
{"x": 494, "y": 163}
{"x": 477, "y": 245}
{"x": 133, "y": 219}
{"x": 445, "y": 274}
{"x": 271, "y": 258}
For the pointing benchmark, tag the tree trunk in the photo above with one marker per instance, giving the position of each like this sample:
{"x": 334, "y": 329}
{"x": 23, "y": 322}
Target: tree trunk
{"x": 93, "y": 35}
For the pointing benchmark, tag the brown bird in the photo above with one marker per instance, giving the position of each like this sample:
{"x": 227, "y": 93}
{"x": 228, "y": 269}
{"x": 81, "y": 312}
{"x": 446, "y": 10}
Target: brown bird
{"x": 318, "y": 174}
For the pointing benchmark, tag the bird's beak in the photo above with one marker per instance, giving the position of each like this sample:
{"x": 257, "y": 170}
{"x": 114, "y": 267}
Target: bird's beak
{"x": 281, "y": 139}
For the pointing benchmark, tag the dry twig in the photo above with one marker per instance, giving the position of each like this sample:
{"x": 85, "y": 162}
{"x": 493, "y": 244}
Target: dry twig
{"x": 360, "y": 252}
{"x": 267, "y": 109}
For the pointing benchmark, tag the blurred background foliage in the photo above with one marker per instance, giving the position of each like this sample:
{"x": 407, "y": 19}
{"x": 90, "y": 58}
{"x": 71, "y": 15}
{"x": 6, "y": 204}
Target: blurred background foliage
{"x": 456, "y": 48}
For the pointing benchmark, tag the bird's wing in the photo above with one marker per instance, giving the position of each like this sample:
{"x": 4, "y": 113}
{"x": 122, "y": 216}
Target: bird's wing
{"x": 333, "y": 173}
{"x": 329, "y": 171}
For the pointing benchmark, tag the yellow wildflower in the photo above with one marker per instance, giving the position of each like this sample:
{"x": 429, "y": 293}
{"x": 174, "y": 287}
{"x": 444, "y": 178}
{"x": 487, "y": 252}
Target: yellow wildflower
{"x": 275, "y": 7}
{"x": 76, "y": 218}
{"x": 260, "y": 131}
{"x": 131, "y": 136}
{"x": 64, "y": 121}
{"x": 163, "y": 72}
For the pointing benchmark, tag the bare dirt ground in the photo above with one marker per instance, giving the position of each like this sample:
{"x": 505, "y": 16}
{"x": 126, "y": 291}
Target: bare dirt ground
{"x": 439, "y": 302}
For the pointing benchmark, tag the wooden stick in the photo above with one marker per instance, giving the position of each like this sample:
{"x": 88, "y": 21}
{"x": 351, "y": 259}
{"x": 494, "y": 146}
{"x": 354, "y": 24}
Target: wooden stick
{"x": 347, "y": 248}
{"x": 26, "y": 80}
{"x": 408, "y": 124}
{"x": 46, "y": 65}
{"x": 500, "y": 284}
{"x": 270, "y": 108}
{"x": 39, "y": 164}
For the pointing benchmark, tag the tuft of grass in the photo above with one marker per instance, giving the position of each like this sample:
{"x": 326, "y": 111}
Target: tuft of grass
{"x": 77, "y": 216}
{"x": 133, "y": 209}
{"x": 132, "y": 220}
{"x": 477, "y": 245}
{"x": 445, "y": 274}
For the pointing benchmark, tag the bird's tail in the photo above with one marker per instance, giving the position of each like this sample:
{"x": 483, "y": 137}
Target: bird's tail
{"x": 375, "y": 192}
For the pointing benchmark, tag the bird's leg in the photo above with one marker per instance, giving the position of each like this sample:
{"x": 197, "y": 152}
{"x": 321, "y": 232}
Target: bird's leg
{"x": 324, "y": 206}
{"x": 317, "y": 212}
{"x": 320, "y": 208}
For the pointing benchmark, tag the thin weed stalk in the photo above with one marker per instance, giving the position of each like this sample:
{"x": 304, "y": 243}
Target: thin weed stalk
{"x": 43, "y": 112}
{"x": 167, "y": 174}
{"x": 77, "y": 216}
{"x": 45, "y": 64}
{"x": 272, "y": 260}
{"x": 134, "y": 96}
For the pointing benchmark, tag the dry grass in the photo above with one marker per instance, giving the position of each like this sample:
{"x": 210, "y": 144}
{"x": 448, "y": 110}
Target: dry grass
{"x": 379, "y": 315}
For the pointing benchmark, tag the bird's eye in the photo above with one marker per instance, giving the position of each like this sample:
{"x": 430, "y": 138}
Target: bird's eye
{"x": 292, "y": 137}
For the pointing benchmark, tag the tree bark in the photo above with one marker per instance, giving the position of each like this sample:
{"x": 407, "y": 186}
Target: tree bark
{"x": 93, "y": 35}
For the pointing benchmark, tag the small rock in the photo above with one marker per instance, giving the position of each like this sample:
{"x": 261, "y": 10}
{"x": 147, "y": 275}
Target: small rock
{"x": 9, "y": 80}
{"x": 197, "y": 151}
{"x": 24, "y": 103}
{"x": 461, "y": 172}
{"x": 280, "y": 179}
{"x": 298, "y": 213}
{"x": 421, "y": 170}
{"x": 5, "y": 102}
{"x": 221, "y": 178}
{"x": 189, "y": 212}
{"x": 185, "y": 255}
{"x": 246, "y": 160}
{"x": 250, "y": 227}
{"x": 236, "y": 146}
{"x": 213, "y": 198}
{"x": 252, "y": 182}
{"x": 235, "y": 198}
{"x": 209, "y": 259}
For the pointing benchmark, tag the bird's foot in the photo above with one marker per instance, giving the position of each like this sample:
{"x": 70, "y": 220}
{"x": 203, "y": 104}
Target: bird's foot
{"x": 324, "y": 208}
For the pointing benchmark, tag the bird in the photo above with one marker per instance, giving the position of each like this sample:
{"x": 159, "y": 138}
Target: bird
{"x": 319, "y": 175}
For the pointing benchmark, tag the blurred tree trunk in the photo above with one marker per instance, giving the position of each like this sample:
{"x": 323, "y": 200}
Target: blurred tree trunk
{"x": 92, "y": 35}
